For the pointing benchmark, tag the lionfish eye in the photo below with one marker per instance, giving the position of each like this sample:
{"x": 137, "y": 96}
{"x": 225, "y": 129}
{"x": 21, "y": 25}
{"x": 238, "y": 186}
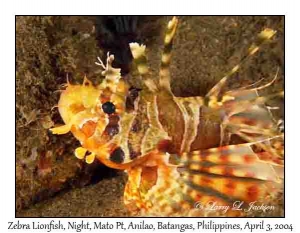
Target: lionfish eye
{"x": 108, "y": 107}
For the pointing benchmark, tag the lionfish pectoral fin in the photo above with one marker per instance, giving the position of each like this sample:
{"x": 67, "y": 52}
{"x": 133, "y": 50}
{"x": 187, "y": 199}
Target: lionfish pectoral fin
{"x": 165, "y": 197}
{"x": 232, "y": 173}
{"x": 223, "y": 176}
{"x": 262, "y": 38}
{"x": 132, "y": 193}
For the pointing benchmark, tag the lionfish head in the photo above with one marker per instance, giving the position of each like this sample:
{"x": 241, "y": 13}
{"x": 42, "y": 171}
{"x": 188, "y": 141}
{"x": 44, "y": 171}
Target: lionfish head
{"x": 97, "y": 115}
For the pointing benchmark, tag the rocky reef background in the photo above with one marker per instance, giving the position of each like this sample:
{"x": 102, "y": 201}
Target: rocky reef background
{"x": 50, "y": 181}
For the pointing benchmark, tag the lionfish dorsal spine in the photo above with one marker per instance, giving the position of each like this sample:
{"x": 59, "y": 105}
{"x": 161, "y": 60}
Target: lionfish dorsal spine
{"x": 261, "y": 39}
{"x": 164, "y": 72}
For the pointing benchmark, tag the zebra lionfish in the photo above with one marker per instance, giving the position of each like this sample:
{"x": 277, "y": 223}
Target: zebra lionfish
{"x": 177, "y": 151}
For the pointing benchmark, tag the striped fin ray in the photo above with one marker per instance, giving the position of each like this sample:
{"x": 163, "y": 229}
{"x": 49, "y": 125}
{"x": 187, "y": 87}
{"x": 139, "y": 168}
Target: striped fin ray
{"x": 132, "y": 194}
{"x": 237, "y": 92}
{"x": 245, "y": 122}
{"x": 139, "y": 56}
{"x": 247, "y": 94}
{"x": 228, "y": 189}
{"x": 232, "y": 160}
{"x": 247, "y": 116}
{"x": 238, "y": 102}
{"x": 165, "y": 195}
{"x": 232, "y": 173}
{"x": 274, "y": 149}
{"x": 237, "y": 106}
{"x": 262, "y": 38}
{"x": 245, "y": 113}
{"x": 164, "y": 73}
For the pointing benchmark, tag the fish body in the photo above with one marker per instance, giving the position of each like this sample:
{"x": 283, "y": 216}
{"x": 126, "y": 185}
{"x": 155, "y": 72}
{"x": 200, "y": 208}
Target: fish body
{"x": 179, "y": 152}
